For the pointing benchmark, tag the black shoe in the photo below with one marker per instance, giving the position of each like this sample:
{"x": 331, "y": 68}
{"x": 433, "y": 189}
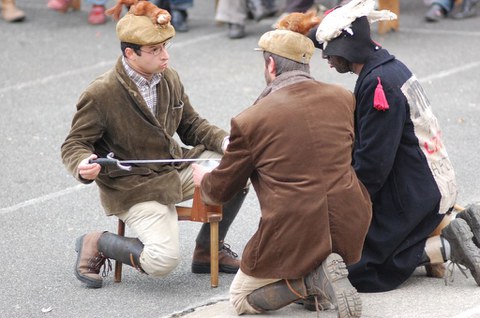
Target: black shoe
{"x": 463, "y": 250}
{"x": 330, "y": 281}
{"x": 236, "y": 31}
{"x": 179, "y": 20}
{"x": 435, "y": 13}
{"x": 467, "y": 10}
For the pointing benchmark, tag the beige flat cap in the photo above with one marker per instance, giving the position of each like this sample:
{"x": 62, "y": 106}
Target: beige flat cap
{"x": 142, "y": 31}
{"x": 289, "y": 44}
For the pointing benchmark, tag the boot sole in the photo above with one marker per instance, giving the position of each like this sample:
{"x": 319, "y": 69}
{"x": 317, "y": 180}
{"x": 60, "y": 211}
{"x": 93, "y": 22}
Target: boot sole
{"x": 472, "y": 216}
{"x": 205, "y": 269}
{"x": 342, "y": 294}
{"x": 89, "y": 282}
{"x": 458, "y": 233}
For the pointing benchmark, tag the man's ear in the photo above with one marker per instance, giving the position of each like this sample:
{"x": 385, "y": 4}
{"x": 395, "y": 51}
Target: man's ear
{"x": 272, "y": 68}
{"x": 130, "y": 54}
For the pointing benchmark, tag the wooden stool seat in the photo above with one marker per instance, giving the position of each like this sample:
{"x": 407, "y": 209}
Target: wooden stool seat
{"x": 198, "y": 212}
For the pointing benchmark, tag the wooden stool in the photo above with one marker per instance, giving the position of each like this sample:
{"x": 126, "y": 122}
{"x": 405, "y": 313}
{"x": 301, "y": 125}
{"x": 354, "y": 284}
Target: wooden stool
{"x": 393, "y": 25}
{"x": 198, "y": 212}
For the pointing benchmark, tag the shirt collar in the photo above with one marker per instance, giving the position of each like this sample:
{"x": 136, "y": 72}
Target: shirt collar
{"x": 138, "y": 79}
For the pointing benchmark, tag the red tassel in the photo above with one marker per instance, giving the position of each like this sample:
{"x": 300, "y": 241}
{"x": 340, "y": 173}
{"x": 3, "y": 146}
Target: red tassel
{"x": 380, "y": 101}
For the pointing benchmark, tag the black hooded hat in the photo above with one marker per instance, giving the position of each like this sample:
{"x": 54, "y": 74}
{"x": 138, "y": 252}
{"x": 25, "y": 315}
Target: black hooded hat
{"x": 354, "y": 43}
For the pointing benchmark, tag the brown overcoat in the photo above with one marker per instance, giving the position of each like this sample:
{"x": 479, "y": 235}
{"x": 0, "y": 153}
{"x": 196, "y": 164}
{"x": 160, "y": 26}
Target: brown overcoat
{"x": 113, "y": 117}
{"x": 295, "y": 145}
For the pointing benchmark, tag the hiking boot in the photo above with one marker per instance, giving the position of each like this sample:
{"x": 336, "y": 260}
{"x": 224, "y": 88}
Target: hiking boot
{"x": 471, "y": 215}
{"x": 330, "y": 281}
{"x": 463, "y": 250}
{"x": 228, "y": 261}
{"x": 309, "y": 303}
{"x": 89, "y": 260}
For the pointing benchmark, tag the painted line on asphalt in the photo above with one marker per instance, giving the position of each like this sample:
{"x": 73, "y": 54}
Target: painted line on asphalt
{"x": 443, "y": 32}
{"x": 450, "y": 72}
{"x": 472, "y": 312}
{"x": 102, "y": 64}
{"x": 42, "y": 199}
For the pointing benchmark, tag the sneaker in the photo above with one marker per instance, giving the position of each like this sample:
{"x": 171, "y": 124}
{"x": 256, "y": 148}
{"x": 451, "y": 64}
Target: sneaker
{"x": 471, "y": 215}
{"x": 236, "y": 31}
{"x": 228, "y": 261}
{"x": 466, "y": 10}
{"x": 97, "y": 15}
{"x": 463, "y": 250}
{"x": 330, "y": 281}
{"x": 89, "y": 260}
{"x": 435, "y": 13}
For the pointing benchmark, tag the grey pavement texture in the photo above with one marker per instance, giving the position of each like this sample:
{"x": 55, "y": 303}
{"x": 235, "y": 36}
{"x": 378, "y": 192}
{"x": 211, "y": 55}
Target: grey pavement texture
{"x": 45, "y": 64}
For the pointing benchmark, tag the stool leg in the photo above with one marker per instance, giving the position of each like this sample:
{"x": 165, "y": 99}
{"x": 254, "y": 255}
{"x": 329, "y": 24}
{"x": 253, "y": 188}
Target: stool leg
{"x": 118, "y": 265}
{"x": 214, "y": 254}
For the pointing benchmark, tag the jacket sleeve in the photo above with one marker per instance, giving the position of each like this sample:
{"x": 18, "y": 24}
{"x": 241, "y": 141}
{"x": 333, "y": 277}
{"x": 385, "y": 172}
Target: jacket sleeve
{"x": 232, "y": 174}
{"x": 378, "y": 134}
{"x": 86, "y": 129}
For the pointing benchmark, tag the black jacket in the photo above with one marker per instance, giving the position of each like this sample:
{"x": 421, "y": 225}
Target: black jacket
{"x": 399, "y": 156}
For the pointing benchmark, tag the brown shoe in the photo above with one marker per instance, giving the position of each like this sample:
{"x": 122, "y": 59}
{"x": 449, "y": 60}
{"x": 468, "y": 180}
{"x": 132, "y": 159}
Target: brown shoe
{"x": 89, "y": 260}
{"x": 10, "y": 12}
{"x": 228, "y": 261}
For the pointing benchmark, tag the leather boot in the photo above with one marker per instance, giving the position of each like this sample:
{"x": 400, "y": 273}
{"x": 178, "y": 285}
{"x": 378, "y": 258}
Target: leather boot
{"x": 463, "y": 250}
{"x": 126, "y": 250}
{"x": 471, "y": 215}
{"x": 277, "y": 295}
{"x": 466, "y": 10}
{"x": 329, "y": 280}
{"x": 89, "y": 260}
{"x": 10, "y": 12}
{"x": 228, "y": 260}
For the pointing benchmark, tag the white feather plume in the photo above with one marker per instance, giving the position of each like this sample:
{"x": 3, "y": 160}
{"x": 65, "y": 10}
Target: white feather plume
{"x": 339, "y": 19}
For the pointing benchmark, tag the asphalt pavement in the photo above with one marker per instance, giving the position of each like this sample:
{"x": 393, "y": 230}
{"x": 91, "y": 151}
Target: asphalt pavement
{"x": 48, "y": 60}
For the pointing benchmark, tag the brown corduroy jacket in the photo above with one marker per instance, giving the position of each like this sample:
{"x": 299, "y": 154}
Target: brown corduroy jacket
{"x": 113, "y": 117}
{"x": 295, "y": 145}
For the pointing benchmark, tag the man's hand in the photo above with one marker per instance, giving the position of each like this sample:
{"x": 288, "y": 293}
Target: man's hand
{"x": 89, "y": 171}
{"x": 198, "y": 173}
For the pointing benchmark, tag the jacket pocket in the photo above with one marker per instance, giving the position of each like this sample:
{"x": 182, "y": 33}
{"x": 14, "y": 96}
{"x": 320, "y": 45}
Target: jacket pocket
{"x": 134, "y": 171}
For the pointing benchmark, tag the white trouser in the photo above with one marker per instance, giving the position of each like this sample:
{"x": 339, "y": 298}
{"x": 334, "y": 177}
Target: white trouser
{"x": 157, "y": 227}
{"x": 242, "y": 286}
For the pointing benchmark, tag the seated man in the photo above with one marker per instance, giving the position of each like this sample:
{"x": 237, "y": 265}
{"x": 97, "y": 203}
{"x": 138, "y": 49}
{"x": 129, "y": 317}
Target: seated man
{"x": 294, "y": 144}
{"x": 134, "y": 110}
